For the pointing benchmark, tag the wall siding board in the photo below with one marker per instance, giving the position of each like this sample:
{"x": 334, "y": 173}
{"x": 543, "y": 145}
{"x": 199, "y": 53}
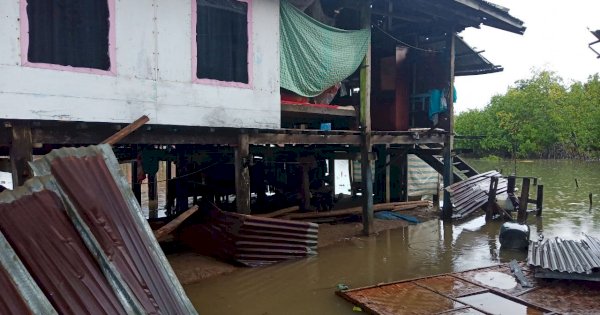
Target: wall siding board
{"x": 135, "y": 39}
{"x": 154, "y": 74}
{"x": 9, "y": 34}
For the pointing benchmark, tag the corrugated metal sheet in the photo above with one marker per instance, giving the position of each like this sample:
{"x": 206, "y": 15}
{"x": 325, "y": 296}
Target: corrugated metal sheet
{"x": 94, "y": 252}
{"x": 471, "y": 194}
{"x": 566, "y": 256}
{"x": 20, "y": 293}
{"x": 103, "y": 207}
{"x": 422, "y": 178}
{"x": 251, "y": 240}
{"x": 53, "y": 252}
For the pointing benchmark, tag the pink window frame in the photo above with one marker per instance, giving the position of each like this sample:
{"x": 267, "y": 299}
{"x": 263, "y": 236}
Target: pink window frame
{"x": 195, "y": 79}
{"x": 24, "y": 40}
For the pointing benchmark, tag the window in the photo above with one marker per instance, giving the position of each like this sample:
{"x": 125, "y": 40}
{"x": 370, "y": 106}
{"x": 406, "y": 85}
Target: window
{"x": 222, "y": 41}
{"x": 68, "y": 34}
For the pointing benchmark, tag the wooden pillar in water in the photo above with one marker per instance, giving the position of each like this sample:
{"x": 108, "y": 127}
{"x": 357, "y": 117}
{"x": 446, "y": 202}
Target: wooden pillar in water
{"x": 242, "y": 174}
{"x": 388, "y": 174}
{"x": 135, "y": 184}
{"x": 522, "y": 215}
{"x": 489, "y": 210}
{"x": 539, "y": 202}
{"x": 365, "y": 122}
{"x": 449, "y": 142}
{"x": 21, "y": 152}
{"x": 152, "y": 196}
{"x": 331, "y": 170}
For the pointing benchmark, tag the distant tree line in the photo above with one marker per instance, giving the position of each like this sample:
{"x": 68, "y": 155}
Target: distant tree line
{"x": 540, "y": 117}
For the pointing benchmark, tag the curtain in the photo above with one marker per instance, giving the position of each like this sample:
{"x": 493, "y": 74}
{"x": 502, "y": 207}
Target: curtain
{"x": 69, "y": 32}
{"x": 222, "y": 40}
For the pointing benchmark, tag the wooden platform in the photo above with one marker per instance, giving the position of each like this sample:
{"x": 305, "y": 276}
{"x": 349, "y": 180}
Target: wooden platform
{"x": 490, "y": 290}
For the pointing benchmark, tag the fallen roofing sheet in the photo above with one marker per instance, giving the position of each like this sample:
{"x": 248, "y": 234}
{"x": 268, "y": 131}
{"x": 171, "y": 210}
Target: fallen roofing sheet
{"x": 566, "y": 259}
{"x": 471, "y": 194}
{"x": 95, "y": 254}
{"x": 251, "y": 240}
{"x": 20, "y": 293}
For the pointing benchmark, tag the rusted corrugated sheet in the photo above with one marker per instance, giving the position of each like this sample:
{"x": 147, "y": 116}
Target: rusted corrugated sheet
{"x": 20, "y": 293}
{"x": 565, "y": 258}
{"x": 471, "y": 194}
{"x": 251, "y": 240}
{"x": 104, "y": 207}
{"x": 37, "y": 226}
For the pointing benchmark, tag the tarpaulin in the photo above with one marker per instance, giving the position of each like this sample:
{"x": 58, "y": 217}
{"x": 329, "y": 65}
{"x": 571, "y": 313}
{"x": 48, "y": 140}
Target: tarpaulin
{"x": 315, "y": 56}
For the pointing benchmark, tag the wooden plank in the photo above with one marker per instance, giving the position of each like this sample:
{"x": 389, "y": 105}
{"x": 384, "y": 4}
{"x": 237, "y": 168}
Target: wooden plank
{"x": 242, "y": 175}
{"x": 121, "y": 134}
{"x": 279, "y": 213}
{"x": 21, "y": 152}
{"x": 393, "y": 206}
{"x": 165, "y": 230}
{"x": 316, "y": 110}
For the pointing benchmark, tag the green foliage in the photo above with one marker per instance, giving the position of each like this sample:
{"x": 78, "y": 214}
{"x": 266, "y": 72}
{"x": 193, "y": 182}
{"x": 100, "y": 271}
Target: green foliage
{"x": 539, "y": 117}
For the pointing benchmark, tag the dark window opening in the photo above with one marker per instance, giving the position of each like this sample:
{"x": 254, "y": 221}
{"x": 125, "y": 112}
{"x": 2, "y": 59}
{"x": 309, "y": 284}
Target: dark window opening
{"x": 69, "y": 33}
{"x": 222, "y": 40}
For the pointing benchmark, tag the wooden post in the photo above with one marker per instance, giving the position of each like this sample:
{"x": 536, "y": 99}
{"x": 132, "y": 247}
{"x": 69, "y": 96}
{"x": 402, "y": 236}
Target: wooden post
{"x": 539, "y": 202}
{"x": 242, "y": 174}
{"x": 135, "y": 184}
{"x": 152, "y": 196}
{"x": 305, "y": 183}
{"x": 491, "y": 198}
{"x": 522, "y": 216}
{"x": 512, "y": 182}
{"x": 181, "y": 189}
{"x": 365, "y": 122}
{"x": 449, "y": 142}
{"x": 21, "y": 152}
{"x": 403, "y": 176}
{"x": 331, "y": 163}
{"x": 388, "y": 193}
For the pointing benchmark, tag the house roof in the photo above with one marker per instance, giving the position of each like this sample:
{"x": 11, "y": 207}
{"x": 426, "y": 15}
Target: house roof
{"x": 469, "y": 61}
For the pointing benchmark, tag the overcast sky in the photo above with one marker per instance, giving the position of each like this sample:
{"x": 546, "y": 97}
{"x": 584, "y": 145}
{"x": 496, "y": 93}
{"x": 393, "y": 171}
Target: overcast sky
{"x": 556, "y": 39}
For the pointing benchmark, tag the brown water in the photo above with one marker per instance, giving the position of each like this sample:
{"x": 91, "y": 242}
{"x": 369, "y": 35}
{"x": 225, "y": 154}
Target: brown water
{"x": 307, "y": 286}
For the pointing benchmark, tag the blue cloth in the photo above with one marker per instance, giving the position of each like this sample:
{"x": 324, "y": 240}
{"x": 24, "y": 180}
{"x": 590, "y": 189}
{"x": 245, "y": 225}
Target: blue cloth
{"x": 390, "y": 215}
{"x": 437, "y": 102}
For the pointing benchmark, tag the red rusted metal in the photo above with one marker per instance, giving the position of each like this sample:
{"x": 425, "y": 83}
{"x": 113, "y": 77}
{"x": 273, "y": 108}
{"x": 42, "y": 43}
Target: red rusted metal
{"x": 11, "y": 301}
{"x": 251, "y": 240}
{"x": 467, "y": 293}
{"x": 55, "y": 255}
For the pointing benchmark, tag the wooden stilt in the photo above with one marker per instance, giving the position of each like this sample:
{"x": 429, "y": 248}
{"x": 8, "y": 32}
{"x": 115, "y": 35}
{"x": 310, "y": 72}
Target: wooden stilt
{"x": 242, "y": 175}
{"x": 449, "y": 143}
{"x": 388, "y": 193}
{"x": 152, "y": 196}
{"x": 331, "y": 170}
{"x": 522, "y": 215}
{"x": 540, "y": 200}
{"x": 135, "y": 184}
{"x": 365, "y": 123}
{"x": 491, "y": 198}
{"x": 21, "y": 152}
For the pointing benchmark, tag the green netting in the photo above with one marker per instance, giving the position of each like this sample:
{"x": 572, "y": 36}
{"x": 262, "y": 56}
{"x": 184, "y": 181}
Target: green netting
{"x": 315, "y": 56}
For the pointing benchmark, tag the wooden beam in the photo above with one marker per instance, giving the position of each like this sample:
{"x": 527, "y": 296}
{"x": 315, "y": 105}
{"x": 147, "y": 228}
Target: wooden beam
{"x": 242, "y": 174}
{"x": 166, "y": 229}
{"x": 121, "y": 134}
{"x": 21, "y": 152}
{"x": 318, "y": 110}
{"x": 266, "y": 138}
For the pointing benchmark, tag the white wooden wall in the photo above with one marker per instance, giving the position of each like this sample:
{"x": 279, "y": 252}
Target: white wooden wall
{"x": 154, "y": 73}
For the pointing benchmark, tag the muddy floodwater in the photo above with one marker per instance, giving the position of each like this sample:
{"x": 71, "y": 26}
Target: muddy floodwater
{"x": 307, "y": 286}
